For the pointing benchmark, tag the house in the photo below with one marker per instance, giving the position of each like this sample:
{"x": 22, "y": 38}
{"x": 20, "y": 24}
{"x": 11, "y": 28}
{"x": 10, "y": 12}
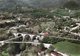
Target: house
{"x": 65, "y": 17}
{"x": 44, "y": 33}
{"x": 2, "y": 43}
{"x": 47, "y": 45}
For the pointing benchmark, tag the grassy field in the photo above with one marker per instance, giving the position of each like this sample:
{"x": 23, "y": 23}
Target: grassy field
{"x": 71, "y": 49}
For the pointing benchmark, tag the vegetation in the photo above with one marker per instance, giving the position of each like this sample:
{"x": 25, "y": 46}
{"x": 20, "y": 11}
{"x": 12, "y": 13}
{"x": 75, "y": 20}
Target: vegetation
{"x": 68, "y": 48}
{"x": 4, "y": 53}
{"x": 51, "y": 40}
{"x": 3, "y": 34}
{"x": 76, "y": 14}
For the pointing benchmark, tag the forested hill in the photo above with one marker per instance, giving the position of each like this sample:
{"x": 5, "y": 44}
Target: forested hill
{"x": 34, "y": 3}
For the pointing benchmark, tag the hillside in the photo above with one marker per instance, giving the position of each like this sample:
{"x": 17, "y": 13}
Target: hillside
{"x": 33, "y": 3}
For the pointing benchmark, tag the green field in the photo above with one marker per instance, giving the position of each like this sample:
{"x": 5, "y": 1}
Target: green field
{"x": 71, "y": 49}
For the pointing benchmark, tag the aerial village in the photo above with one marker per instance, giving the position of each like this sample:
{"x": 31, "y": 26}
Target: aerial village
{"x": 40, "y": 32}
